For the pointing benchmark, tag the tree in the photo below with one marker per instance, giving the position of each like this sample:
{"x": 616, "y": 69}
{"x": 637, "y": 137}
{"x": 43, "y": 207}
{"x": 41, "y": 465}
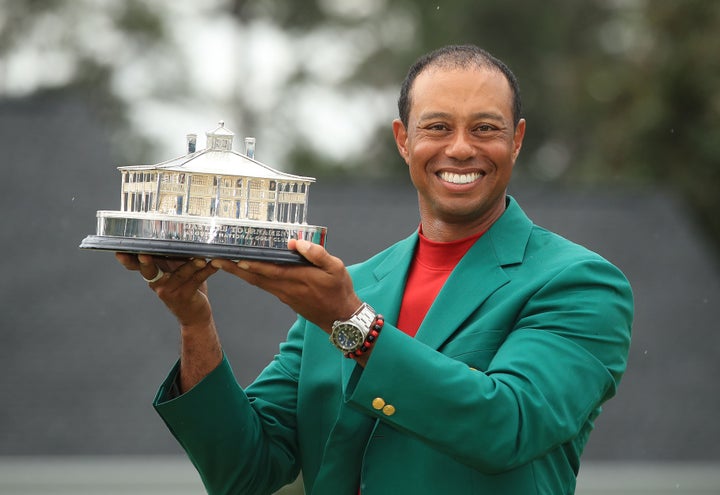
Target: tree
{"x": 614, "y": 92}
{"x": 654, "y": 104}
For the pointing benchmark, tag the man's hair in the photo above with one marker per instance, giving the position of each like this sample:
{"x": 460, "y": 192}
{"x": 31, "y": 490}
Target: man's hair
{"x": 457, "y": 57}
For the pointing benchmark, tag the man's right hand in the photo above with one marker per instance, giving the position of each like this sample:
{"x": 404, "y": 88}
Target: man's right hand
{"x": 182, "y": 284}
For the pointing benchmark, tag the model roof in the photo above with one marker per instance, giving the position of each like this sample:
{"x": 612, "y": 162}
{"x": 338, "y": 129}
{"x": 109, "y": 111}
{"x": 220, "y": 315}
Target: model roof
{"x": 219, "y": 159}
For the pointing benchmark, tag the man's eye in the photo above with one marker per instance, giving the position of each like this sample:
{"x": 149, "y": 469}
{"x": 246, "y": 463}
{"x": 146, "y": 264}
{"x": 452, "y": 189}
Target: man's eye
{"x": 485, "y": 128}
{"x": 437, "y": 127}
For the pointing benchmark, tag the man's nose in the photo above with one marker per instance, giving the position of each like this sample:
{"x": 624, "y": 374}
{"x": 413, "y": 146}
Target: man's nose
{"x": 460, "y": 147}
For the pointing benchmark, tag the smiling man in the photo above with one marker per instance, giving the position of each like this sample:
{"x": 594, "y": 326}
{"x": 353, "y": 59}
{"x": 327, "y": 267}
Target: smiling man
{"x": 460, "y": 136}
{"x": 498, "y": 340}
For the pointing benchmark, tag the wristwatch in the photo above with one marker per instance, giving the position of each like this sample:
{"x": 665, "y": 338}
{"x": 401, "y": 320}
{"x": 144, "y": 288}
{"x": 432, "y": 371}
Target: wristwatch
{"x": 349, "y": 335}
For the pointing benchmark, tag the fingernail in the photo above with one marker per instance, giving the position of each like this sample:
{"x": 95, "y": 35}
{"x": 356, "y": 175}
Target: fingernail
{"x": 199, "y": 262}
{"x": 244, "y": 265}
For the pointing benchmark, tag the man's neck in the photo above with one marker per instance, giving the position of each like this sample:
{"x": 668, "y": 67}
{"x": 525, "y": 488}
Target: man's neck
{"x": 444, "y": 230}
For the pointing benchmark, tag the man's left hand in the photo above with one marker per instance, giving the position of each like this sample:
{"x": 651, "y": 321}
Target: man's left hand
{"x": 321, "y": 293}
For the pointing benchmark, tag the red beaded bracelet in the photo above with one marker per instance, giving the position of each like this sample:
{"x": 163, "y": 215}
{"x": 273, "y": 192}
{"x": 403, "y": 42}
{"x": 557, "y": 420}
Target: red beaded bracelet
{"x": 370, "y": 339}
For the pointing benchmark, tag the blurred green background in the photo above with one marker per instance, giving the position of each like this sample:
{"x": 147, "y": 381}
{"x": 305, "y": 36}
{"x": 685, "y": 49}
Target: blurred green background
{"x": 615, "y": 91}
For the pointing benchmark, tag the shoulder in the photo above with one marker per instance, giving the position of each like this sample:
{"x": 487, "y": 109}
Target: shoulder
{"x": 544, "y": 243}
{"x": 532, "y": 251}
{"x": 551, "y": 246}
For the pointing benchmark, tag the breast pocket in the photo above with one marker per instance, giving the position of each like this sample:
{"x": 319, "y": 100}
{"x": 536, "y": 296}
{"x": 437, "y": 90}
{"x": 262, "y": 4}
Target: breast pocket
{"x": 476, "y": 349}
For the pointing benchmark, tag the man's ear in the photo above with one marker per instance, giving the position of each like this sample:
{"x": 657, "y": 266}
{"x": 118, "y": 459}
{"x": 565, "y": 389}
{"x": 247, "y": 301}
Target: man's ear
{"x": 518, "y": 138}
{"x": 401, "y": 136}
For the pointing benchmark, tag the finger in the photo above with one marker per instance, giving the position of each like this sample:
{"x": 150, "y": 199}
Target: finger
{"x": 149, "y": 270}
{"x": 314, "y": 253}
{"x": 255, "y": 273}
{"x": 197, "y": 270}
{"x": 223, "y": 264}
{"x": 244, "y": 267}
{"x": 205, "y": 273}
{"x": 129, "y": 261}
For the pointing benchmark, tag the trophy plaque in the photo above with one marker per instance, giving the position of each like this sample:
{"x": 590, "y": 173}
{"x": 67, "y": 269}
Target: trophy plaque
{"x": 210, "y": 203}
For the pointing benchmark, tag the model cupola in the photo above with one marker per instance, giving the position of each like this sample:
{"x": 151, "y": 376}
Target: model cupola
{"x": 220, "y": 139}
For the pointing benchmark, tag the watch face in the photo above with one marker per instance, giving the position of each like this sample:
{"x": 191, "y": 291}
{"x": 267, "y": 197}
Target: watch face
{"x": 348, "y": 337}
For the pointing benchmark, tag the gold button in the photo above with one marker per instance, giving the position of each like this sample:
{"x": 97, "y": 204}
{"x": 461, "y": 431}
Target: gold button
{"x": 378, "y": 403}
{"x": 388, "y": 410}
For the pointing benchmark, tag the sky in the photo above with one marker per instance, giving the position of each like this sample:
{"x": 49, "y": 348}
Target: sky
{"x": 210, "y": 66}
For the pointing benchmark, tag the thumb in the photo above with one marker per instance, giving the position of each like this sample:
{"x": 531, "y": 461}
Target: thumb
{"x": 314, "y": 253}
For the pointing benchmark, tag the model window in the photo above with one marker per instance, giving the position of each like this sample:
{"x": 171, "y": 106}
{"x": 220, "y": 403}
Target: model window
{"x": 254, "y": 210}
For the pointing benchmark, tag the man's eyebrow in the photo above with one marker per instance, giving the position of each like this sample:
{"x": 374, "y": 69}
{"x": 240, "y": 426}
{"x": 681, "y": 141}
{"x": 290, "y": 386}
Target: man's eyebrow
{"x": 435, "y": 115}
{"x": 476, "y": 116}
{"x": 488, "y": 116}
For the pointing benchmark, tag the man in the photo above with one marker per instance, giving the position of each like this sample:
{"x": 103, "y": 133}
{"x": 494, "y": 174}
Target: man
{"x": 499, "y": 342}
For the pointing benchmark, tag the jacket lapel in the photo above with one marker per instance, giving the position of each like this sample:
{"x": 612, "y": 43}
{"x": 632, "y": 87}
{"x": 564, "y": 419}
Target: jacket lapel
{"x": 472, "y": 281}
{"x": 477, "y": 276}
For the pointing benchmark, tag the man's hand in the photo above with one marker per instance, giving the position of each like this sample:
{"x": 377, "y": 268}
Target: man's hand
{"x": 322, "y": 293}
{"x": 182, "y": 286}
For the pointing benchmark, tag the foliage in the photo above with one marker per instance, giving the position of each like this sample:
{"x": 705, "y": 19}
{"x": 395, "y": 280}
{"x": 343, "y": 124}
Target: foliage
{"x": 615, "y": 91}
{"x": 624, "y": 92}
{"x": 656, "y": 118}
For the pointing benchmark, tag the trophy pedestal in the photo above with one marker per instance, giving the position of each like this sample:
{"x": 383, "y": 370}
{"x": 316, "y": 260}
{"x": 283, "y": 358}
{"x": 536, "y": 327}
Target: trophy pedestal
{"x": 184, "y": 249}
{"x": 200, "y": 237}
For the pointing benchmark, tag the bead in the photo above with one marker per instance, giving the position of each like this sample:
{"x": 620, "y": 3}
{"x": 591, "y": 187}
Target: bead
{"x": 370, "y": 338}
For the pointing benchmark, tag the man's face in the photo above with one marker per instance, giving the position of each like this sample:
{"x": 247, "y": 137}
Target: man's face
{"x": 460, "y": 146}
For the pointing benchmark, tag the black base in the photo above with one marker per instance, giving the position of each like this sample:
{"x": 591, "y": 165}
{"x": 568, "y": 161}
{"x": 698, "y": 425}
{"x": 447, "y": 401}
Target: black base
{"x": 184, "y": 249}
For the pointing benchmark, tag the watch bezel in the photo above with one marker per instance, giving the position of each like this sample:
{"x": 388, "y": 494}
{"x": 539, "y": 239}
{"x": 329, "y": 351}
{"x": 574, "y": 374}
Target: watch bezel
{"x": 351, "y": 332}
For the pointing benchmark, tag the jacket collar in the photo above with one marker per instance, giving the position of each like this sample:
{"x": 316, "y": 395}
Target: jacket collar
{"x": 478, "y": 274}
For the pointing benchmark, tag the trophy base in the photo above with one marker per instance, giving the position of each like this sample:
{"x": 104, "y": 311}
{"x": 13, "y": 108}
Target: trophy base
{"x": 185, "y": 249}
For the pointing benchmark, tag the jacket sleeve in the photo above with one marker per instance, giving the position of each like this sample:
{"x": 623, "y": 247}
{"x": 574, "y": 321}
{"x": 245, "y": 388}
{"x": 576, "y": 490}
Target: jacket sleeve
{"x": 564, "y": 355}
{"x": 240, "y": 441}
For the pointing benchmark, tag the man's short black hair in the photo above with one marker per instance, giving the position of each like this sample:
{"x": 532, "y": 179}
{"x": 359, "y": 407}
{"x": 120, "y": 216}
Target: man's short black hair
{"x": 458, "y": 56}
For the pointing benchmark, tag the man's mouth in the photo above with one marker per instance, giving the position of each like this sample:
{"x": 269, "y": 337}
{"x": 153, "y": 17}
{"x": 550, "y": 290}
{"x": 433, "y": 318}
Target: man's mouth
{"x": 454, "y": 178}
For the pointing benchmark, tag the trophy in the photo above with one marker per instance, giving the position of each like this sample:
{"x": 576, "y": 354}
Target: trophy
{"x": 210, "y": 203}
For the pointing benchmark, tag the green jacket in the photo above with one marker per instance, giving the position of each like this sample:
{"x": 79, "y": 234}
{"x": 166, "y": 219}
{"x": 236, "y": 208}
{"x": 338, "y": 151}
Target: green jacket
{"x": 496, "y": 395}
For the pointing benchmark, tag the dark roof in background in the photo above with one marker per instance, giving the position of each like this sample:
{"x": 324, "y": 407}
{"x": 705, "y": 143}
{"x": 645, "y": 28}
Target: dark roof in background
{"x": 84, "y": 344}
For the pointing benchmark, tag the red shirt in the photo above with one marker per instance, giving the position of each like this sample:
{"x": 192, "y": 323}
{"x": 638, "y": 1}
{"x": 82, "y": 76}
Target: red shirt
{"x": 430, "y": 268}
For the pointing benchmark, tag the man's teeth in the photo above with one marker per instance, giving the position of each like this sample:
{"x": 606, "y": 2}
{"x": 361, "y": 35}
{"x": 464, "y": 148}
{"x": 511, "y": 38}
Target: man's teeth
{"x": 459, "y": 178}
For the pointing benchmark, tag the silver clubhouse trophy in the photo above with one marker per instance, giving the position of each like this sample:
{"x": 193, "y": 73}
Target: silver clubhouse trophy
{"x": 211, "y": 203}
